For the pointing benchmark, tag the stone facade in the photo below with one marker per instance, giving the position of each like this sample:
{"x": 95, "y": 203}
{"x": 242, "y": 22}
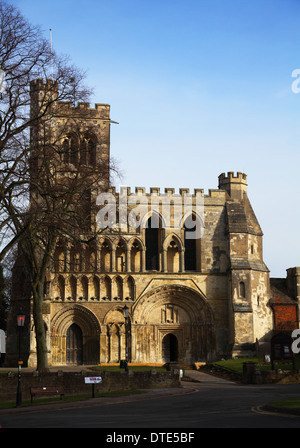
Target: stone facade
{"x": 190, "y": 299}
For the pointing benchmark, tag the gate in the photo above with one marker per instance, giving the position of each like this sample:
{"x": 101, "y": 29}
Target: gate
{"x": 74, "y": 345}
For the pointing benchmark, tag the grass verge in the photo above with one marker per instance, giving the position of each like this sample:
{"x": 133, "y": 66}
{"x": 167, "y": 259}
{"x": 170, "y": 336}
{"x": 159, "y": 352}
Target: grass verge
{"x": 236, "y": 365}
{"x": 290, "y": 405}
{"x": 70, "y": 398}
{"x": 130, "y": 367}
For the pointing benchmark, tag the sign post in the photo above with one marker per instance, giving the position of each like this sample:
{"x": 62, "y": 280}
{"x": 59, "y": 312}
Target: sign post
{"x": 93, "y": 380}
{"x": 2, "y": 346}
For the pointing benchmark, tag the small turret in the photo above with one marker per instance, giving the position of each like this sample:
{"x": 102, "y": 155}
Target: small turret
{"x": 43, "y": 94}
{"x": 293, "y": 282}
{"x": 236, "y": 186}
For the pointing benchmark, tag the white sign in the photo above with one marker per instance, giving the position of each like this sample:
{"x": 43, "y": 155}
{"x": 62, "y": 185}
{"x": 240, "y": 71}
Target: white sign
{"x": 93, "y": 379}
{"x": 2, "y": 342}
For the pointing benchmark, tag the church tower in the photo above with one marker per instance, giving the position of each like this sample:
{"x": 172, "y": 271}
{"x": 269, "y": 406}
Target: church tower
{"x": 249, "y": 283}
{"x": 69, "y": 144}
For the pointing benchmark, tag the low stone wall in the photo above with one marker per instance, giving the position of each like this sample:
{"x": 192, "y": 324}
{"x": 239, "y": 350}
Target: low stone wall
{"x": 253, "y": 375}
{"x": 74, "y": 384}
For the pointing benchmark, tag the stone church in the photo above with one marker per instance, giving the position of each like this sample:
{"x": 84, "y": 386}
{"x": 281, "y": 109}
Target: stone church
{"x": 187, "y": 265}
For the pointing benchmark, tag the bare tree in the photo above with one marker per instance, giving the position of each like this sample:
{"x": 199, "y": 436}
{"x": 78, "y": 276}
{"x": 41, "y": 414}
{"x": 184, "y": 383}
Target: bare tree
{"x": 43, "y": 196}
{"x": 25, "y": 55}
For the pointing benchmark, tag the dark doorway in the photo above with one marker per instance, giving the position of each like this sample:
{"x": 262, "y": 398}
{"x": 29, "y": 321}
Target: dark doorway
{"x": 152, "y": 244}
{"x": 74, "y": 345}
{"x": 170, "y": 348}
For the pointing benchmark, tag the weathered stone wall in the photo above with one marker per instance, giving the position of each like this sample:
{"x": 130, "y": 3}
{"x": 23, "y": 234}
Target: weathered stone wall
{"x": 218, "y": 304}
{"x": 73, "y": 383}
{"x": 229, "y": 289}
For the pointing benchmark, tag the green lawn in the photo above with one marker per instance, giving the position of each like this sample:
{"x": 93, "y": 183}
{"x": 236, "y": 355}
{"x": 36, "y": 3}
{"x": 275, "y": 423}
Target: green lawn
{"x": 133, "y": 368}
{"x": 290, "y": 405}
{"x": 237, "y": 364}
{"x": 69, "y": 398}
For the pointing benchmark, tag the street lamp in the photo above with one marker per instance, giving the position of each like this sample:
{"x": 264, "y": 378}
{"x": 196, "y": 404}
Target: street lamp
{"x": 126, "y": 314}
{"x": 20, "y": 322}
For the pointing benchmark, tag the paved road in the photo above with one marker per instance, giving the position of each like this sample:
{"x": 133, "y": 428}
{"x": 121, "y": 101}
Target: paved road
{"x": 208, "y": 403}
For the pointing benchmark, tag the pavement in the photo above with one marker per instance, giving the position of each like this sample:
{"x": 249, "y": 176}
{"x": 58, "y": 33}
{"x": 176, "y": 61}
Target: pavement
{"x": 202, "y": 377}
{"x": 187, "y": 387}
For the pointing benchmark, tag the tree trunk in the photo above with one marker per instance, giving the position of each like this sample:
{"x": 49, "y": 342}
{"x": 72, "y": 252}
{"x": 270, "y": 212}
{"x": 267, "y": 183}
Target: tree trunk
{"x": 41, "y": 346}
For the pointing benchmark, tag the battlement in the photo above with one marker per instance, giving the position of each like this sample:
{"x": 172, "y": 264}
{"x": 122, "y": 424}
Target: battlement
{"x": 39, "y": 84}
{"x": 230, "y": 177}
{"x": 168, "y": 193}
{"x": 82, "y": 109}
{"x": 101, "y": 110}
{"x": 235, "y": 185}
{"x": 156, "y": 191}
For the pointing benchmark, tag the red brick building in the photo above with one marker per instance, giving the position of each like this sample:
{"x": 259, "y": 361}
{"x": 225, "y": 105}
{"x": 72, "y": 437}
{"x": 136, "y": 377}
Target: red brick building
{"x": 284, "y": 303}
{"x": 285, "y": 307}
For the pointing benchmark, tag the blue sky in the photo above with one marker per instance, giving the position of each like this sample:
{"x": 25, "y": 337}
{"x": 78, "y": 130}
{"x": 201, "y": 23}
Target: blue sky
{"x": 199, "y": 87}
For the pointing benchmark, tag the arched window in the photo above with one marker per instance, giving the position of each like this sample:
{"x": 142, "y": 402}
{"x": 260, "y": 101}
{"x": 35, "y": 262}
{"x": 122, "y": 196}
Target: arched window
{"x": 152, "y": 236}
{"x": 129, "y": 289}
{"x": 73, "y": 159}
{"x": 66, "y": 150}
{"x": 242, "y": 290}
{"x": 91, "y": 152}
{"x": 90, "y": 259}
{"x": 135, "y": 257}
{"x": 96, "y": 285}
{"x": 88, "y": 150}
{"x": 106, "y": 288}
{"x": 105, "y": 257}
{"x": 61, "y": 287}
{"x": 85, "y": 287}
{"x": 121, "y": 256}
{"x": 172, "y": 257}
{"x": 192, "y": 243}
{"x": 73, "y": 287}
{"x": 118, "y": 288}
{"x": 59, "y": 258}
{"x": 83, "y": 152}
{"x": 75, "y": 259}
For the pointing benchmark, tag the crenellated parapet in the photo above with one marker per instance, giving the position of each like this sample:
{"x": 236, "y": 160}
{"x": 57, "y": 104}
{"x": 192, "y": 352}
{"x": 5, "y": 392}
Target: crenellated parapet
{"x": 166, "y": 192}
{"x": 235, "y": 185}
{"x": 38, "y": 85}
{"x": 40, "y": 90}
{"x": 84, "y": 110}
{"x": 231, "y": 177}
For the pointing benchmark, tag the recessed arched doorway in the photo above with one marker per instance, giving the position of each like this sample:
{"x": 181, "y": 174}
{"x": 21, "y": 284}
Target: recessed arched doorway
{"x": 177, "y": 310}
{"x": 170, "y": 348}
{"x": 74, "y": 345}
